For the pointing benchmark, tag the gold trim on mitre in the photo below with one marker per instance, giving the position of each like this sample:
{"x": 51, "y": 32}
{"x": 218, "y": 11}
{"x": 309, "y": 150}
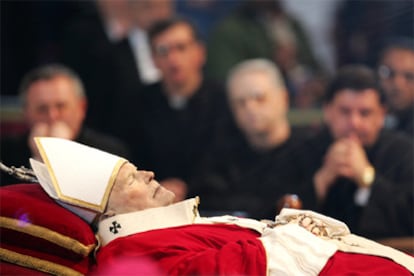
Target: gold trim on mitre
{"x": 111, "y": 183}
{"x": 72, "y": 200}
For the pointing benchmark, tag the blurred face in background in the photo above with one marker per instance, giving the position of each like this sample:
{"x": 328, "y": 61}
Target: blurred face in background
{"x": 257, "y": 103}
{"x": 396, "y": 73}
{"x": 355, "y": 114}
{"x": 55, "y": 100}
{"x": 178, "y": 55}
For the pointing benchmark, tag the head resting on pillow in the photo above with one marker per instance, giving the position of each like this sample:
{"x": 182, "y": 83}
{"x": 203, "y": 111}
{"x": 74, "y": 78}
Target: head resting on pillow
{"x": 90, "y": 182}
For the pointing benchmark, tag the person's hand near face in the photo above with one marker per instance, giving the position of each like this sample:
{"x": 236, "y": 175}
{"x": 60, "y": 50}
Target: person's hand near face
{"x": 136, "y": 190}
{"x": 41, "y": 129}
{"x": 54, "y": 108}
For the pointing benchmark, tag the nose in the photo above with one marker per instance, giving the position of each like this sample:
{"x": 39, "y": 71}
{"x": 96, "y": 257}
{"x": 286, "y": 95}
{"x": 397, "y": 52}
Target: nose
{"x": 149, "y": 176}
{"x": 53, "y": 114}
{"x": 355, "y": 121}
{"x": 250, "y": 104}
{"x": 173, "y": 56}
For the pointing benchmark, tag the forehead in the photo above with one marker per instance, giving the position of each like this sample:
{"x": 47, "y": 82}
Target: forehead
{"x": 126, "y": 170}
{"x": 146, "y": 5}
{"x": 356, "y": 98}
{"x": 399, "y": 56}
{"x": 245, "y": 84}
{"x": 57, "y": 86}
{"x": 177, "y": 32}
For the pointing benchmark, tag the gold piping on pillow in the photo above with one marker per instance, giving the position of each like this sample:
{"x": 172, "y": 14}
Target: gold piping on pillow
{"x": 47, "y": 234}
{"x": 36, "y": 263}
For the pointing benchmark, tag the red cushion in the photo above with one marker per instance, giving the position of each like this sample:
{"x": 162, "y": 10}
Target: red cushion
{"x": 12, "y": 269}
{"x": 40, "y": 234}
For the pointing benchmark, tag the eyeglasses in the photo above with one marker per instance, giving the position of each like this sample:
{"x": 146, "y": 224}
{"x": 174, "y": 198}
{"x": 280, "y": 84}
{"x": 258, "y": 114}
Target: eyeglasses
{"x": 163, "y": 50}
{"x": 386, "y": 72}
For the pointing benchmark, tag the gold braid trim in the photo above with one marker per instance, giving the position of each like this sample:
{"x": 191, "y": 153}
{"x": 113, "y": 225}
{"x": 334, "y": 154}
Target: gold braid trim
{"x": 47, "y": 234}
{"x": 36, "y": 263}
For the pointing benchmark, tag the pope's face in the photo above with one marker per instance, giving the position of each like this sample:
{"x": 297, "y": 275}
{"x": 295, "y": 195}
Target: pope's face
{"x": 136, "y": 190}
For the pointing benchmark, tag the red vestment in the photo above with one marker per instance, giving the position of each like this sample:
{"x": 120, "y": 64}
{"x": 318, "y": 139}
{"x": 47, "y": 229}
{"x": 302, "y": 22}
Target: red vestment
{"x": 220, "y": 249}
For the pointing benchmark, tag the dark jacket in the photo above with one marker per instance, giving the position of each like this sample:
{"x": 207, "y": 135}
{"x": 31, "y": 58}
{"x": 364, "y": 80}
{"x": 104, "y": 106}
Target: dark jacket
{"x": 390, "y": 208}
{"x": 235, "y": 178}
{"x": 171, "y": 141}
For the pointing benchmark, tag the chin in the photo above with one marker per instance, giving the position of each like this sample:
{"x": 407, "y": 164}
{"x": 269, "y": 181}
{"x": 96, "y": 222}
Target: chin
{"x": 166, "y": 197}
{"x": 171, "y": 200}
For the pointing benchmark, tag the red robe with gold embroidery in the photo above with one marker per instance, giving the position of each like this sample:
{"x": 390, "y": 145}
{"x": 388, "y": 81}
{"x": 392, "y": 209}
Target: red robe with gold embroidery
{"x": 201, "y": 249}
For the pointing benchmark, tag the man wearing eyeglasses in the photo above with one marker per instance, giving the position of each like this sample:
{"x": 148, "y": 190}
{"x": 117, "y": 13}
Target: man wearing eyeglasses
{"x": 175, "y": 118}
{"x": 396, "y": 72}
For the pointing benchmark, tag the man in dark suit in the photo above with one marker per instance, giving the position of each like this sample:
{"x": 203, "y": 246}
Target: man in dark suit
{"x": 358, "y": 172}
{"x": 54, "y": 104}
{"x": 172, "y": 123}
{"x": 251, "y": 168}
{"x": 107, "y": 45}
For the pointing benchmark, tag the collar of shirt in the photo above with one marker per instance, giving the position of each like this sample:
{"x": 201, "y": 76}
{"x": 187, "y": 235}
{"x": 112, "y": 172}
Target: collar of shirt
{"x": 178, "y": 214}
{"x": 182, "y": 213}
{"x": 140, "y": 46}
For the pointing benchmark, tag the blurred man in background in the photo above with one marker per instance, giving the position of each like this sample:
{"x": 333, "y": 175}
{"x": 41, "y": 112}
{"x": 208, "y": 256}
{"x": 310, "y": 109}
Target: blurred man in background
{"x": 108, "y": 46}
{"x": 174, "y": 119}
{"x": 253, "y": 165}
{"x": 54, "y": 104}
{"x": 396, "y": 72}
{"x": 358, "y": 172}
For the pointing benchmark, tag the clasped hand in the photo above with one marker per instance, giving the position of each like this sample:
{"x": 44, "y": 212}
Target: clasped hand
{"x": 345, "y": 158}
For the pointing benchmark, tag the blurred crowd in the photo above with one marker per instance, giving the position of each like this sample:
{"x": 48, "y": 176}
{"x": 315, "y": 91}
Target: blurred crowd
{"x": 199, "y": 92}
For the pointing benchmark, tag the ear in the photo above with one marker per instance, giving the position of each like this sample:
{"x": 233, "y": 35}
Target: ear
{"x": 202, "y": 53}
{"x": 327, "y": 112}
{"x": 27, "y": 118}
{"x": 25, "y": 114}
{"x": 84, "y": 107}
{"x": 383, "y": 112}
{"x": 286, "y": 98}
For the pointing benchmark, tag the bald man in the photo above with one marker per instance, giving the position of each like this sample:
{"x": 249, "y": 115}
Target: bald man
{"x": 252, "y": 166}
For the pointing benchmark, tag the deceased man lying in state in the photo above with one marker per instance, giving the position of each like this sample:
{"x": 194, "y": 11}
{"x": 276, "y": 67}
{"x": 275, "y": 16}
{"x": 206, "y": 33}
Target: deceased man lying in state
{"x": 135, "y": 218}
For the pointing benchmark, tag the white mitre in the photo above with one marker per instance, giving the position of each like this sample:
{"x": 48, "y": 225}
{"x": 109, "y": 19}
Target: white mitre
{"x": 78, "y": 177}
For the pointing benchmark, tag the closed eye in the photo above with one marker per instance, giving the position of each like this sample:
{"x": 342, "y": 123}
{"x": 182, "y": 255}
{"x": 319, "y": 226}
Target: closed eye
{"x": 149, "y": 178}
{"x": 131, "y": 179}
